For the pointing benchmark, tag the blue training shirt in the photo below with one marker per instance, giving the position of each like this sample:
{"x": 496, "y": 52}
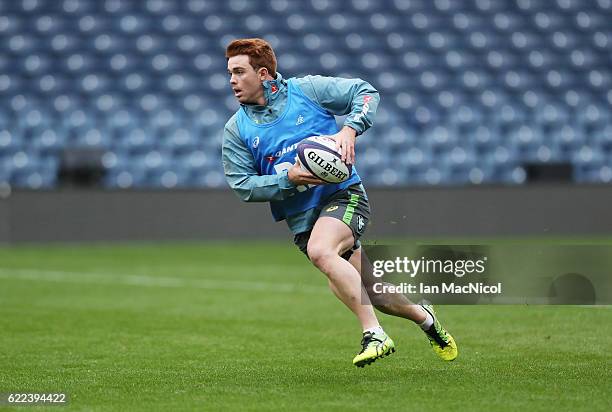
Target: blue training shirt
{"x": 273, "y": 146}
{"x": 337, "y": 96}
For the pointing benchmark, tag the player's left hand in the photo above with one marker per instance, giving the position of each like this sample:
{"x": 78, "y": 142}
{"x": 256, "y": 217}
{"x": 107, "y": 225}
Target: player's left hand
{"x": 345, "y": 144}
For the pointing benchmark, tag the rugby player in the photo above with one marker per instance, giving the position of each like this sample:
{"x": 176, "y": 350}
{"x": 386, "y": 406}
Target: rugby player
{"x": 327, "y": 220}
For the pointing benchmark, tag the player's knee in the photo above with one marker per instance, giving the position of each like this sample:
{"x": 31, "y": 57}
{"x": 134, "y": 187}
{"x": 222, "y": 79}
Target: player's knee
{"x": 320, "y": 255}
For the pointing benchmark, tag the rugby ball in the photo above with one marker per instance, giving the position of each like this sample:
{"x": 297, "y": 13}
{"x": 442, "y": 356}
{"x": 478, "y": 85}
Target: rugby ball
{"x": 318, "y": 155}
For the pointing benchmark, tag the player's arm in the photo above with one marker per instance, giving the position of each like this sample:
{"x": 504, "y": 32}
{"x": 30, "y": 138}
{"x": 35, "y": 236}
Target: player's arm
{"x": 245, "y": 181}
{"x": 353, "y": 97}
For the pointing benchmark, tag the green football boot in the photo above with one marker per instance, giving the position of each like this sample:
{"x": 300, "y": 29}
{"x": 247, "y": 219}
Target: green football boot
{"x": 373, "y": 346}
{"x": 441, "y": 341}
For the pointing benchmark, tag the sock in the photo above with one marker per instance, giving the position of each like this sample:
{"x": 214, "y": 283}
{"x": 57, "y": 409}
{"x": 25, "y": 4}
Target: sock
{"x": 429, "y": 320}
{"x": 378, "y": 330}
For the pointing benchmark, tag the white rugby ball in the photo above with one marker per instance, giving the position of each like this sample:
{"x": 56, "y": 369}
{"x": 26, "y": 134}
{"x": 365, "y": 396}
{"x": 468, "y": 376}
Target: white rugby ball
{"x": 318, "y": 155}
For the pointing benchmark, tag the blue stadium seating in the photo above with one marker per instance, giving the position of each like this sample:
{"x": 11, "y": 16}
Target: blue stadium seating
{"x": 471, "y": 89}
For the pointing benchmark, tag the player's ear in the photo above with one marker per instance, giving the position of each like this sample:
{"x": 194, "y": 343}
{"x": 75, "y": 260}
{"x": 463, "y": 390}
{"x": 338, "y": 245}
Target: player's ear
{"x": 263, "y": 73}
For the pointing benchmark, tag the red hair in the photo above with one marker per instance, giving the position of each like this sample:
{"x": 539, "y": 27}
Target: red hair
{"x": 259, "y": 51}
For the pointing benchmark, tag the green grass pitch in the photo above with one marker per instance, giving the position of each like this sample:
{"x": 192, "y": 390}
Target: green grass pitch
{"x": 245, "y": 326}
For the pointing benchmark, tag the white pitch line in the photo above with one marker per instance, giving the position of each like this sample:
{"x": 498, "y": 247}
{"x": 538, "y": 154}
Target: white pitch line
{"x": 155, "y": 281}
{"x": 171, "y": 282}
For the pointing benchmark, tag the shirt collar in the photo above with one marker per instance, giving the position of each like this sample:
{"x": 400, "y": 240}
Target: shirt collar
{"x": 272, "y": 90}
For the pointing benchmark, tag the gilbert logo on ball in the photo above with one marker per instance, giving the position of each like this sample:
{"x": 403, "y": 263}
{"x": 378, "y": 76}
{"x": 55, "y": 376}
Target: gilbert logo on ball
{"x": 318, "y": 155}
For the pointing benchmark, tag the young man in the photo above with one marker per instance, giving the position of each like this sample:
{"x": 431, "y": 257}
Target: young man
{"x": 327, "y": 219}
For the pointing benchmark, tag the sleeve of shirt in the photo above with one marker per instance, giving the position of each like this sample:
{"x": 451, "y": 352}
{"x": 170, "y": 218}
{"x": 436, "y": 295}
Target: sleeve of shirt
{"x": 242, "y": 176}
{"x": 339, "y": 96}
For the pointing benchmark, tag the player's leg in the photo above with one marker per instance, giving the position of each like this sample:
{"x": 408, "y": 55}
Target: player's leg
{"x": 396, "y": 304}
{"x": 329, "y": 239}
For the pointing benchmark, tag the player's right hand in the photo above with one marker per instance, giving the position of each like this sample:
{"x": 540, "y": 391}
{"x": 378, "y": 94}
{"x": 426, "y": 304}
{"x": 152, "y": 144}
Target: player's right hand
{"x": 300, "y": 176}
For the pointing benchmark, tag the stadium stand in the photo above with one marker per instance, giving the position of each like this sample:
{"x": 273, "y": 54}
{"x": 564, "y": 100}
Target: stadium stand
{"x": 472, "y": 90}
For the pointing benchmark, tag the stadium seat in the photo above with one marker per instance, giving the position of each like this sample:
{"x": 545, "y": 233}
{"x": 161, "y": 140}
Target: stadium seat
{"x": 501, "y": 82}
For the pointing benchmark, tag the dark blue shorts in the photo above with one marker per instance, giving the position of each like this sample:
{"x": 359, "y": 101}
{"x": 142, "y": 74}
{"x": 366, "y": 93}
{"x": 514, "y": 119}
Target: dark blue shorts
{"x": 351, "y": 206}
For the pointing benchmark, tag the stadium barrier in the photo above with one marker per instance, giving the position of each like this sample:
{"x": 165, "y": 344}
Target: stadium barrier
{"x": 99, "y": 215}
